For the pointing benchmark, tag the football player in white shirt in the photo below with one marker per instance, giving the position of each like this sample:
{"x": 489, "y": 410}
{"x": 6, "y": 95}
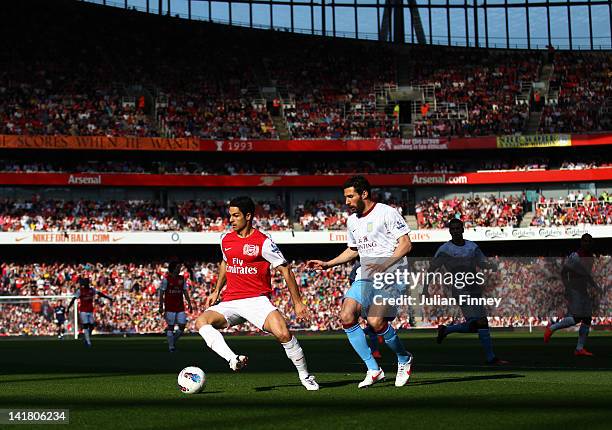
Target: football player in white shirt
{"x": 378, "y": 234}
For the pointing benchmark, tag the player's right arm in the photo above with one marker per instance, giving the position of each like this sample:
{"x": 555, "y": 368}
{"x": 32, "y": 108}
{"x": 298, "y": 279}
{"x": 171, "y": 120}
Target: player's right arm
{"x": 349, "y": 254}
{"x": 162, "y": 294}
{"x": 77, "y": 294}
{"x": 214, "y": 296}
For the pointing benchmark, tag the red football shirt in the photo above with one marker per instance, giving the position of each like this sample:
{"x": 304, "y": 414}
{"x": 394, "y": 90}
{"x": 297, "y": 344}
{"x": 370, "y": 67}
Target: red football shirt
{"x": 248, "y": 264}
{"x": 173, "y": 299}
{"x": 86, "y": 298}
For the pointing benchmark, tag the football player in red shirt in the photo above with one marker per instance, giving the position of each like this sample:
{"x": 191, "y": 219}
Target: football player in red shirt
{"x": 171, "y": 294}
{"x": 248, "y": 255}
{"x": 86, "y": 295}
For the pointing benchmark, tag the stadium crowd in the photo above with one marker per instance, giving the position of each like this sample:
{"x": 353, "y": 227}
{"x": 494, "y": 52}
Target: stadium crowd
{"x": 208, "y": 81}
{"x": 37, "y": 214}
{"x": 584, "y": 85}
{"x": 301, "y": 166}
{"x": 134, "y": 288}
{"x": 576, "y": 208}
{"x": 486, "y": 83}
{"x": 475, "y": 211}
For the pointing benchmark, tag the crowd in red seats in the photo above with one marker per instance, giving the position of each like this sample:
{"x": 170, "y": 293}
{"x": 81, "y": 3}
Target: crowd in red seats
{"x": 475, "y": 211}
{"x": 208, "y": 81}
{"x": 584, "y": 84}
{"x": 303, "y": 166}
{"x": 332, "y": 215}
{"x": 576, "y": 208}
{"x": 486, "y": 83}
{"x": 38, "y": 214}
{"x": 135, "y": 288}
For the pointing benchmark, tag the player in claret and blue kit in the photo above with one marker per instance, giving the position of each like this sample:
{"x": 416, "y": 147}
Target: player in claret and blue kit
{"x": 378, "y": 235}
{"x": 464, "y": 256}
{"x": 248, "y": 255}
{"x": 171, "y": 293}
{"x": 577, "y": 277}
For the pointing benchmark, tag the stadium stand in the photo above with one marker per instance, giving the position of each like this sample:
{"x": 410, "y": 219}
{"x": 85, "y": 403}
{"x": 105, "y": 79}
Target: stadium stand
{"x": 78, "y": 86}
{"x": 135, "y": 288}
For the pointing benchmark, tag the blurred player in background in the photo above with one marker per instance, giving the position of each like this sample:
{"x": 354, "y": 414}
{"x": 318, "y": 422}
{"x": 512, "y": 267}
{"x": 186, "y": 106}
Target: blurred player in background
{"x": 577, "y": 278}
{"x": 464, "y": 256}
{"x": 378, "y": 235}
{"x": 59, "y": 314}
{"x": 248, "y": 255}
{"x": 86, "y": 295}
{"x": 171, "y": 304}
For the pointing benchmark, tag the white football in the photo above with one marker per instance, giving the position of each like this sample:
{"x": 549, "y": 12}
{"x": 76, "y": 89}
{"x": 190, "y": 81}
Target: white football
{"x": 191, "y": 380}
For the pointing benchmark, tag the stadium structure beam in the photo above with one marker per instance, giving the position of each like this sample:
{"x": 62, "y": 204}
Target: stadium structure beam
{"x": 413, "y": 3}
{"x": 394, "y": 13}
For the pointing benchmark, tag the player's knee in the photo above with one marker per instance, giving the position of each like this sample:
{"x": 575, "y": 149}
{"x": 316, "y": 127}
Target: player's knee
{"x": 202, "y": 320}
{"x": 482, "y": 323}
{"x": 348, "y": 317}
{"x": 477, "y": 324}
{"x": 585, "y": 320}
{"x": 181, "y": 327}
{"x": 283, "y": 335}
{"x": 378, "y": 324}
{"x": 169, "y": 328}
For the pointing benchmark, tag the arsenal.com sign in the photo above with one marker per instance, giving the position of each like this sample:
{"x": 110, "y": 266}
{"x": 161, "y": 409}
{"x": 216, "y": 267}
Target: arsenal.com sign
{"x": 440, "y": 179}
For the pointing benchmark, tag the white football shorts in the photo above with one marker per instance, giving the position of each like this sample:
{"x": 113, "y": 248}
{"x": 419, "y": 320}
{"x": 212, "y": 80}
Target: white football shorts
{"x": 254, "y": 310}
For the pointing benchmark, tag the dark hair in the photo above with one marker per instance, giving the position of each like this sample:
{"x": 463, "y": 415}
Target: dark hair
{"x": 360, "y": 184}
{"x": 455, "y": 221}
{"x": 245, "y": 204}
{"x": 172, "y": 267}
{"x": 587, "y": 236}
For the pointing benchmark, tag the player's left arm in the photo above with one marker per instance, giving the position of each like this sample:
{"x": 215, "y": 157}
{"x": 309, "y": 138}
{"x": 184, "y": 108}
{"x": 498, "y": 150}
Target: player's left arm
{"x": 187, "y": 297}
{"x": 275, "y": 257}
{"x": 109, "y": 298}
{"x": 481, "y": 260}
{"x": 301, "y": 310}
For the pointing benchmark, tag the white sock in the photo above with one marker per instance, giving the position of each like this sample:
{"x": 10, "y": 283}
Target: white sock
{"x": 214, "y": 340}
{"x": 296, "y": 355}
{"x": 583, "y": 332}
{"x": 564, "y": 323}
{"x": 87, "y": 338}
{"x": 170, "y": 337}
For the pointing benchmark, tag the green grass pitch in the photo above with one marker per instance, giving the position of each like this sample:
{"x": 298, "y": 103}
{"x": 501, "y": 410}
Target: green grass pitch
{"x": 131, "y": 383}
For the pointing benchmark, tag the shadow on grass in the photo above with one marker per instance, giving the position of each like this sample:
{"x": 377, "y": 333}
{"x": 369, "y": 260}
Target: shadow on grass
{"x": 321, "y": 384}
{"x": 33, "y": 378}
{"x": 336, "y": 384}
{"x": 465, "y": 379}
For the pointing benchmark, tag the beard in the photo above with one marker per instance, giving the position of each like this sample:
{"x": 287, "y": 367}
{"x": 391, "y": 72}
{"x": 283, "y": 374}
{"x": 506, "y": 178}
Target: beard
{"x": 360, "y": 207}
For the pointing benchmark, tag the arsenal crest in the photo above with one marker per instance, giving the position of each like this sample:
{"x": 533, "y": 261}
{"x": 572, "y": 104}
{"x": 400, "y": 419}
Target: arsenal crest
{"x": 251, "y": 250}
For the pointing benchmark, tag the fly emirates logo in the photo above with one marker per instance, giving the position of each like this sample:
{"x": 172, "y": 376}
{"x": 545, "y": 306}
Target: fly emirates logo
{"x": 237, "y": 267}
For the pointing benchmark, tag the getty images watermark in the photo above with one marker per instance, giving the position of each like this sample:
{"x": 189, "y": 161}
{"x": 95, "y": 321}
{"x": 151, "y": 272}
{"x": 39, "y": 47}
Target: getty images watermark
{"x": 514, "y": 288}
{"x": 397, "y": 287}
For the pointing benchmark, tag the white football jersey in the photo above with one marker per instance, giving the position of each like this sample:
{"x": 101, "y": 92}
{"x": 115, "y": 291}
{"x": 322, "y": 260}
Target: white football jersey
{"x": 375, "y": 234}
